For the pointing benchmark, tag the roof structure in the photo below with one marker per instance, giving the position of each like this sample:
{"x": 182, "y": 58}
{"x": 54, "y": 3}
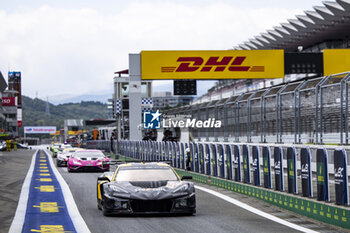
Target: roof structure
{"x": 328, "y": 22}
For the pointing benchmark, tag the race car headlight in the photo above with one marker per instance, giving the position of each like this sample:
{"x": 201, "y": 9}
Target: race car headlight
{"x": 99, "y": 163}
{"x": 182, "y": 188}
{"x": 76, "y": 162}
{"x": 118, "y": 189}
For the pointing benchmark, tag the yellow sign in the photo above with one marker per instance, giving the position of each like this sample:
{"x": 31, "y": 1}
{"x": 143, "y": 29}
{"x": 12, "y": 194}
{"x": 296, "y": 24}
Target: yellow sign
{"x": 50, "y": 229}
{"x": 336, "y": 61}
{"x": 46, "y": 188}
{"x": 225, "y": 64}
{"x": 45, "y": 179}
{"x": 47, "y": 207}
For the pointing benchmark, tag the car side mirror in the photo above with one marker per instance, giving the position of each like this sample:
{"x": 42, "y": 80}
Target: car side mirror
{"x": 186, "y": 178}
{"x": 103, "y": 178}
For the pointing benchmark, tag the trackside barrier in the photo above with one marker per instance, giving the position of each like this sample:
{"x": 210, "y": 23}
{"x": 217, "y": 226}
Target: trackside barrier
{"x": 341, "y": 178}
{"x": 214, "y": 160}
{"x": 237, "y": 163}
{"x": 278, "y": 158}
{"x": 192, "y": 152}
{"x": 221, "y": 161}
{"x": 163, "y": 151}
{"x": 256, "y": 165}
{"x": 182, "y": 156}
{"x": 302, "y": 203}
{"x": 306, "y": 177}
{"x": 176, "y": 154}
{"x": 207, "y": 159}
{"x": 224, "y": 161}
{"x": 292, "y": 170}
{"x": 323, "y": 212}
{"x": 201, "y": 161}
{"x": 246, "y": 164}
{"x": 322, "y": 175}
{"x": 266, "y": 166}
{"x": 196, "y": 157}
{"x": 228, "y": 162}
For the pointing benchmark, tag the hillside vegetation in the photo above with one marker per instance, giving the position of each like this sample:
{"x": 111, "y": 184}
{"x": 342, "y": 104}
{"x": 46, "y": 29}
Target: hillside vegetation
{"x": 34, "y": 112}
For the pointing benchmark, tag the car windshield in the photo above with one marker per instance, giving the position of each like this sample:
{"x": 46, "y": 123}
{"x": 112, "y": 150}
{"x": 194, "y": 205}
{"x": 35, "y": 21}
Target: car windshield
{"x": 145, "y": 174}
{"x": 88, "y": 154}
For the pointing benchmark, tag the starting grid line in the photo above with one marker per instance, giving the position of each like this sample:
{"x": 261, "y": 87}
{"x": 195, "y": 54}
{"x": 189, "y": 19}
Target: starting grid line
{"x": 44, "y": 200}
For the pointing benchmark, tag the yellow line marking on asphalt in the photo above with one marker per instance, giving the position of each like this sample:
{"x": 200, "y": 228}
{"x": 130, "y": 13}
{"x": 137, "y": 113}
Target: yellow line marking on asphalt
{"x": 46, "y": 188}
{"x": 44, "y": 170}
{"x": 50, "y": 229}
{"x": 45, "y": 179}
{"x": 45, "y": 174}
{"x": 48, "y": 207}
{"x": 43, "y": 160}
{"x": 43, "y": 164}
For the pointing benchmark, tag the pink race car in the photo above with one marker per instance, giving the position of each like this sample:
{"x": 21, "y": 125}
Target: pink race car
{"x": 88, "y": 160}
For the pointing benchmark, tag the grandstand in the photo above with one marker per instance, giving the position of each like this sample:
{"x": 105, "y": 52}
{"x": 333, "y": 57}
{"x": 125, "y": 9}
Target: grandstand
{"x": 302, "y": 108}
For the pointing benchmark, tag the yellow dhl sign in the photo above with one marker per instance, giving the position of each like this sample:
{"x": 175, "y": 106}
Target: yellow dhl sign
{"x": 226, "y": 64}
{"x": 336, "y": 61}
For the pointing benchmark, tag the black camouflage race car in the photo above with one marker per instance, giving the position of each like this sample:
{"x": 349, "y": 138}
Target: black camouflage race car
{"x": 145, "y": 188}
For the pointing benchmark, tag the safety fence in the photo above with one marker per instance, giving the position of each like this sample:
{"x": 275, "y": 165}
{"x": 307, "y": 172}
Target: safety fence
{"x": 305, "y": 171}
{"x": 300, "y": 175}
{"x": 109, "y": 146}
{"x": 309, "y": 111}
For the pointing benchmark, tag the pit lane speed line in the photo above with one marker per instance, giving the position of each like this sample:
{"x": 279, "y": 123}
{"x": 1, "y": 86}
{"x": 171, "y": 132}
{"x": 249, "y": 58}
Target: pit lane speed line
{"x": 46, "y": 203}
{"x": 254, "y": 210}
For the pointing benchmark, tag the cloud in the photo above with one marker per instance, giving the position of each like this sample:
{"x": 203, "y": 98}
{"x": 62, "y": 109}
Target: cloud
{"x": 61, "y": 51}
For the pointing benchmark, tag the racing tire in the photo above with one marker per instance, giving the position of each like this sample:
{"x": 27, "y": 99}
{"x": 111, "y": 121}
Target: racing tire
{"x": 58, "y": 164}
{"x": 69, "y": 170}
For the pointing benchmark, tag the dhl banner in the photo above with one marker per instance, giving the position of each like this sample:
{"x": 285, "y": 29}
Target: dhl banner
{"x": 336, "y": 61}
{"x": 226, "y": 64}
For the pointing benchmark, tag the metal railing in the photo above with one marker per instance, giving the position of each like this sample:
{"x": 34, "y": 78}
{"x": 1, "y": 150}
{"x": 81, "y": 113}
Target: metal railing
{"x": 309, "y": 111}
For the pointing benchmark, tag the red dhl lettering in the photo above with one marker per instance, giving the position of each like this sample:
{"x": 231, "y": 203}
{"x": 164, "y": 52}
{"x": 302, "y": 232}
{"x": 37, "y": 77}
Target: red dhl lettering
{"x": 216, "y": 64}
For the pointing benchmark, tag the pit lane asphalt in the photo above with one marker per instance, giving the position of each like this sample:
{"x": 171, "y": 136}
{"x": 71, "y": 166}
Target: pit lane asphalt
{"x": 213, "y": 214}
{"x": 14, "y": 166}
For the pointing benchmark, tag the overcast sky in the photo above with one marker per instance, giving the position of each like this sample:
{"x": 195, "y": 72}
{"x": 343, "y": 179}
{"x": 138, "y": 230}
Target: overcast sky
{"x": 74, "y": 46}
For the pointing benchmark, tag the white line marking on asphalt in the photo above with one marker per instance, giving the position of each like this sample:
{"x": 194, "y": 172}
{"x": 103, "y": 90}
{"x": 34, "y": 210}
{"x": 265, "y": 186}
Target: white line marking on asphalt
{"x": 18, "y": 220}
{"x": 254, "y": 210}
{"x": 78, "y": 221}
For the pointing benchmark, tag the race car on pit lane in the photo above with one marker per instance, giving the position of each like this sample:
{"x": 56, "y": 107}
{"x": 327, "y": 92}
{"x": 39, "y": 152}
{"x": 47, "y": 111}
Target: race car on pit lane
{"x": 55, "y": 149}
{"x": 62, "y": 157}
{"x": 145, "y": 188}
{"x": 88, "y": 160}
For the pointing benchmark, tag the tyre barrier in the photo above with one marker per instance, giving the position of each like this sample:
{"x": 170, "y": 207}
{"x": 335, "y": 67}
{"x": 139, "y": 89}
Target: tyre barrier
{"x": 270, "y": 167}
